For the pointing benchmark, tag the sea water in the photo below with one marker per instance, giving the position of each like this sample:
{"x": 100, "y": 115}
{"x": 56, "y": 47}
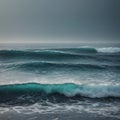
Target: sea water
{"x": 58, "y": 78}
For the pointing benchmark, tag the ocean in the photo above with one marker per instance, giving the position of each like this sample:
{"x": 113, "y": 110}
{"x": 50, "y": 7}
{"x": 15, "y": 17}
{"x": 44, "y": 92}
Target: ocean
{"x": 52, "y": 80}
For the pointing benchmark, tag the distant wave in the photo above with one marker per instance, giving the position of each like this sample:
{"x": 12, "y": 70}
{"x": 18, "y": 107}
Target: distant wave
{"x": 41, "y": 54}
{"x": 40, "y": 66}
{"x": 62, "y": 50}
{"x": 68, "y": 90}
{"x": 63, "y": 53}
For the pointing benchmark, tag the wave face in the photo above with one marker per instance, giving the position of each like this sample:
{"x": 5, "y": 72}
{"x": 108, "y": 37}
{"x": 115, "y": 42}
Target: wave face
{"x": 34, "y": 91}
{"x": 42, "y": 55}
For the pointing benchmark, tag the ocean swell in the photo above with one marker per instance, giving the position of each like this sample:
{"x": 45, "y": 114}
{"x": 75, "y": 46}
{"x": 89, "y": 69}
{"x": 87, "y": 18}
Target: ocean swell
{"x": 55, "y": 54}
{"x": 40, "y": 66}
{"x": 66, "y": 89}
{"x": 40, "y": 55}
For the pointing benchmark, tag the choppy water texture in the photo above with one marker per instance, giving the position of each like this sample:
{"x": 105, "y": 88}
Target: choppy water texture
{"x": 60, "y": 79}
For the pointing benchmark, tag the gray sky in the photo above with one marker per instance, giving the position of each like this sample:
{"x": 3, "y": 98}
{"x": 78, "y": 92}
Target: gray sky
{"x": 59, "y": 20}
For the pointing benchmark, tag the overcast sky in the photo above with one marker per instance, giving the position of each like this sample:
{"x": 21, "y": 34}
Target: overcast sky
{"x": 59, "y": 20}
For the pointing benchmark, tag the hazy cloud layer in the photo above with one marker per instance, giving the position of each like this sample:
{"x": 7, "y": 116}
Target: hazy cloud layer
{"x": 65, "y": 19}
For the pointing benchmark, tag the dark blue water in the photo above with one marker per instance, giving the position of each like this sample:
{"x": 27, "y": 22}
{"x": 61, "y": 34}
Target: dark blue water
{"x": 54, "y": 79}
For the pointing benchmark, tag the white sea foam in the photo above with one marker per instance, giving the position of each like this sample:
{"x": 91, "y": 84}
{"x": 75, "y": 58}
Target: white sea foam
{"x": 109, "y": 50}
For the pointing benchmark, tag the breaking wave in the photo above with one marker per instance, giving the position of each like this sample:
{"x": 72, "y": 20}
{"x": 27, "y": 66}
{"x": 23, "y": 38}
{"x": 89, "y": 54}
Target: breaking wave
{"x": 69, "y": 90}
{"x": 109, "y": 50}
